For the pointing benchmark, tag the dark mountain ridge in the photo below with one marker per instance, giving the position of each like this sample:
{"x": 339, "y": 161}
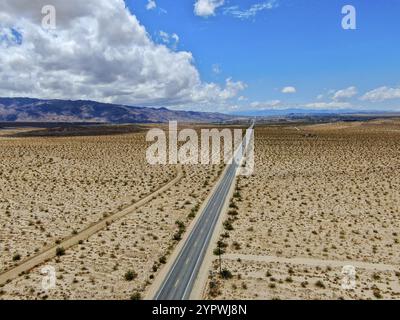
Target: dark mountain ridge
{"x": 38, "y": 110}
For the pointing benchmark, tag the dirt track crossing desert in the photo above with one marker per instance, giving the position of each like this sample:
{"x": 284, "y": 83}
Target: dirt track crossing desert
{"x": 322, "y": 197}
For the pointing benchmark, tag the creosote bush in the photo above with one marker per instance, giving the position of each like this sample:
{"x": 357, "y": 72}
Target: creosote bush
{"x": 60, "y": 251}
{"x": 130, "y": 275}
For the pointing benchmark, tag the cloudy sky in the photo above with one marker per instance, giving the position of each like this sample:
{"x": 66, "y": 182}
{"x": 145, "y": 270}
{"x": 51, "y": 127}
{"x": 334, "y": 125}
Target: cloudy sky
{"x": 220, "y": 55}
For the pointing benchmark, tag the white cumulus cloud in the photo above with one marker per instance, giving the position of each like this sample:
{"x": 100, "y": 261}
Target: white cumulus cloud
{"x": 151, "y": 4}
{"x": 205, "y": 8}
{"x": 100, "y": 51}
{"x": 289, "y": 90}
{"x": 382, "y": 94}
{"x": 169, "y": 39}
{"x": 344, "y": 94}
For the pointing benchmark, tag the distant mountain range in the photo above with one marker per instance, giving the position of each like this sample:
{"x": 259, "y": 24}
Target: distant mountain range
{"x": 305, "y": 112}
{"x": 36, "y": 110}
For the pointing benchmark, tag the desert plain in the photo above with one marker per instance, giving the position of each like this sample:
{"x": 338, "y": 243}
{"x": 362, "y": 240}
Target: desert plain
{"x": 55, "y": 188}
{"x": 322, "y": 197}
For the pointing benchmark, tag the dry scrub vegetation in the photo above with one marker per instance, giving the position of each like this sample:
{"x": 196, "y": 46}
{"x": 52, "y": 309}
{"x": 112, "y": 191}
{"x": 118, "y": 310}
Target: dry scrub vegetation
{"x": 54, "y": 187}
{"x": 285, "y": 281}
{"x": 319, "y": 192}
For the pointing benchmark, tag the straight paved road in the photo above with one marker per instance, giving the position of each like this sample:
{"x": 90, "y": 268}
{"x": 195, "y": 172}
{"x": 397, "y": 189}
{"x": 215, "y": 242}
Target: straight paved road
{"x": 179, "y": 282}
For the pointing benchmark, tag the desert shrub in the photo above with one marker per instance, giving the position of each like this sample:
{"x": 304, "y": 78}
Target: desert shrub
{"x": 181, "y": 229}
{"x": 236, "y": 245}
{"x": 181, "y": 226}
{"x": 233, "y": 212}
{"x": 377, "y": 293}
{"x": 177, "y": 236}
{"x": 228, "y": 225}
{"x": 376, "y": 276}
{"x": 233, "y": 205}
{"x": 60, "y": 251}
{"x": 136, "y": 296}
{"x": 218, "y": 251}
{"x": 222, "y": 244}
{"x": 226, "y": 274}
{"x": 192, "y": 214}
{"x": 16, "y": 257}
{"x": 130, "y": 275}
{"x": 214, "y": 288}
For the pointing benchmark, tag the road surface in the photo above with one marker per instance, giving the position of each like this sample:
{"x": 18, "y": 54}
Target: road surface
{"x": 180, "y": 279}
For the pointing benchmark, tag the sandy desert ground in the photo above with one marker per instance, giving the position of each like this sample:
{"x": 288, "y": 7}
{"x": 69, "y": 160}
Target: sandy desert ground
{"x": 321, "y": 197}
{"x": 57, "y": 186}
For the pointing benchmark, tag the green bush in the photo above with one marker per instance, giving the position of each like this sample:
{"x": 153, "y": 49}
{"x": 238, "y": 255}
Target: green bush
{"x": 233, "y": 213}
{"x": 60, "y": 251}
{"x": 218, "y": 251}
{"x": 228, "y": 225}
{"x": 177, "y": 236}
{"x": 226, "y": 274}
{"x": 136, "y": 296}
{"x": 17, "y": 257}
{"x": 130, "y": 275}
{"x": 233, "y": 205}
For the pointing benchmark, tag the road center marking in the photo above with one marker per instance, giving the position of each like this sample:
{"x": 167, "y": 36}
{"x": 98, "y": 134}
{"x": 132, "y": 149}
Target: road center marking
{"x": 176, "y": 283}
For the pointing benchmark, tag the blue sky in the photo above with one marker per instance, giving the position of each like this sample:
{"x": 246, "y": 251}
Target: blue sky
{"x": 207, "y": 55}
{"x": 298, "y": 43}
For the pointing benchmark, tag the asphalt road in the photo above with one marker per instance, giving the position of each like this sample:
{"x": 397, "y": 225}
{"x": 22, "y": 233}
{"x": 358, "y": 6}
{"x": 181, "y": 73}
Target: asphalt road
{"x": 180, "y": 280}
